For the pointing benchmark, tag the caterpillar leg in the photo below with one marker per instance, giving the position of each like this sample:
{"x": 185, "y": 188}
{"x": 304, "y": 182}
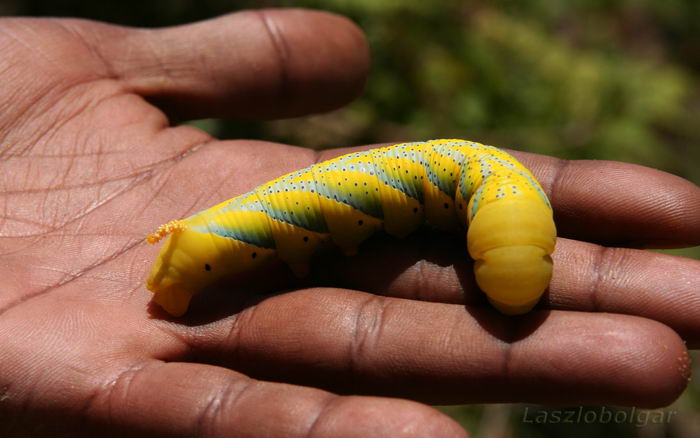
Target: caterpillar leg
{"x": 300, "y": 269}
{"x": 174, "y": 301}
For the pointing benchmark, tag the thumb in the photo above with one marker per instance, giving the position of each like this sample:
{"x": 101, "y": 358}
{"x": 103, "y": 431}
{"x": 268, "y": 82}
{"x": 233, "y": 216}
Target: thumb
{"x": 253, "y": 64}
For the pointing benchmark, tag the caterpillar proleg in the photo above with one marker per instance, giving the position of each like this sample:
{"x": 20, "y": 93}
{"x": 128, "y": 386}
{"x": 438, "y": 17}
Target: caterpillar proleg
{"x": 455, "y": 185}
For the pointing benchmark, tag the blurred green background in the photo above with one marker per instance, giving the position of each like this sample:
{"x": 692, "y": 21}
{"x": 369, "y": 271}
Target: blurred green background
{"x": 593, "y": 79}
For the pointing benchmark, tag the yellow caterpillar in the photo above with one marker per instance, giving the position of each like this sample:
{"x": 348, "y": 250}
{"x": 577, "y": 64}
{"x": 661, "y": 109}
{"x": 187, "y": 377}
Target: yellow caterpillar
{"x": 451, "y": 184}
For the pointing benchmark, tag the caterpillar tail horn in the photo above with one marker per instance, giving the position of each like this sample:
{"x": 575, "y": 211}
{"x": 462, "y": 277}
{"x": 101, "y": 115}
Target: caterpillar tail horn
{"x": 175, "y": 300}
{"x": 164, "y": 230}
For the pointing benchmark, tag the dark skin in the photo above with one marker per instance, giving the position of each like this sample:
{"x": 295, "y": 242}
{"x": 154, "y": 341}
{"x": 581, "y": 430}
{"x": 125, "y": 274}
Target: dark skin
{"x": 89, "y": 165}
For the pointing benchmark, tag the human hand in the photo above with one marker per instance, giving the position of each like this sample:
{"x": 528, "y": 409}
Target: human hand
{"x": 89, "y": 168}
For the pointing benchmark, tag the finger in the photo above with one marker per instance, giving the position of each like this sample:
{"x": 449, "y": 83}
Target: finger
{"x": 587, "y": 277}
{"x": 252, "y": 64}
{"x": 619, "y": 203}
{"x": 658, "y": 286}
{"x": 184, "y": 400}
{"x": 440, "y": 353}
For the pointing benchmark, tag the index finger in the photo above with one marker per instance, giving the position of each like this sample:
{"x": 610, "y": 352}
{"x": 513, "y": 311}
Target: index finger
{"x": 350, "y": 341}
{"x": 266, "y": 63}
{"x": 618, "y": 203}
{"x": 177, "y": 399}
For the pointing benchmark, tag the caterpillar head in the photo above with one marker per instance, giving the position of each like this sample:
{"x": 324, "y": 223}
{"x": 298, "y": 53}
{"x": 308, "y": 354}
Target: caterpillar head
{"x": 511, "y": 242}
{"x": 187, "y": 263}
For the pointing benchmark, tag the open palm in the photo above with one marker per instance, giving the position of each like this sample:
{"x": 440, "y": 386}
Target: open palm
{"x": 89, "y": 165}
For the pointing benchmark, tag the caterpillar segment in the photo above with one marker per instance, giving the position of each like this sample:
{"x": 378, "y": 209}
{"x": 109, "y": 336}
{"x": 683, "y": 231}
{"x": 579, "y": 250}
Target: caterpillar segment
{"x": 455, "y": 185}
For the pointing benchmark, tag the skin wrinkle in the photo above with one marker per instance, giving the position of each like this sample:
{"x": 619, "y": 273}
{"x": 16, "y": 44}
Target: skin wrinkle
{"x": 37, "y": 98}
{"x": 62, "y": 180}
{"x": 64, "y": 272}
{"x": 35, "y": 240}
{"x": 329, "y": 404}
{"x": 175, "y": 355}
{"x": 430, "y": 274}
{"x": 553, "y": 188}
{"x": 27, "y": 297}
{"x": 222, "y": 182}
{"x": 56, "y": 130}
{"x": 89, "y": 154}
{"x": 236, "y": 397}
{"x": 206, "y": 421}
{"x": 131, "y": 292}
{"x": 232, "y": 340}
{"x": 58, "y": 93}
{"x": 160, "y": 189}
{"x": 617, "y": 259}
{"x": 35, "y": 49}
{"x": 421, "y": 279}
{"x": 6, "y": 218}
{"x": 4, "y": 390}
{"x": 75, "y": 28}
{"x": 53, "y": 130}
{"x": 366, "y": 331}
{"x": 138, "y": 178}
{"x": 506, "y": 341}
{"x": 155, "y": 76}
{"x": 19, "y": 115}
{"x": 5, "y": 399}
{"x": 86, "y": 104}
{"x": 454, "y": 331}
{"x": 165, "y": 76}
{"x": 8, "y": 104}
{"x": 108, "y": 391}
{"x": 87, "y": 406}
{"x": 159, "y": 194}
{"x": 212, "y": 190}
{"x": 67, "y": 275}
{"x": 281, "y": 51}
{"x": 603, "y": 256}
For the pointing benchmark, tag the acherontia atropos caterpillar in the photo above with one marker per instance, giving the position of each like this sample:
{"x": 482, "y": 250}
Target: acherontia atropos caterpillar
{"x": 455, "y": 185}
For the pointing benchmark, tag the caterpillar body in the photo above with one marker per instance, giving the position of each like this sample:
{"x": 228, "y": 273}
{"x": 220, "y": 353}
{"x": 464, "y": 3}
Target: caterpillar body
{"x": 455, "y": 185}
